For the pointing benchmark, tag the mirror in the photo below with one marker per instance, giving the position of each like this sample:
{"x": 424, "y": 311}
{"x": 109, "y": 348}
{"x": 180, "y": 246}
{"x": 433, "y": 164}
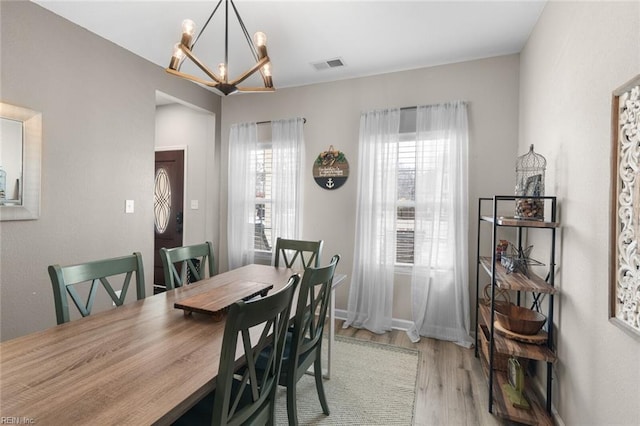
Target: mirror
{"x": 11, "y": 139}
{"x": 20, "y": 162}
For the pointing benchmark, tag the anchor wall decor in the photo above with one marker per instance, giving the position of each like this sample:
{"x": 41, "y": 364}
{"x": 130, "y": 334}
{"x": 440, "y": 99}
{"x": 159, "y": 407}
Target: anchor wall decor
{"x": 331, "y": 169}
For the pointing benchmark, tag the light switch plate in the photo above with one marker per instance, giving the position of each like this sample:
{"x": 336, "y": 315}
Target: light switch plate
{"x": 194, "y": 204}
{"x": 128, "y": 206}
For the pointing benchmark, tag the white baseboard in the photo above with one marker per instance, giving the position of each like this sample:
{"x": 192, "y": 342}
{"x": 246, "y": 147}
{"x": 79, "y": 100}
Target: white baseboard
{"x": 396, "y": 324}
{"x": 540, "y": 390}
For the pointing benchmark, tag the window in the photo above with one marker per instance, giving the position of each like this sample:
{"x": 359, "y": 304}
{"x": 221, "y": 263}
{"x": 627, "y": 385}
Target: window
{"x": 264, "y": 188}
{"x": 432, "y": 152}
{"x": 262, "y": 158}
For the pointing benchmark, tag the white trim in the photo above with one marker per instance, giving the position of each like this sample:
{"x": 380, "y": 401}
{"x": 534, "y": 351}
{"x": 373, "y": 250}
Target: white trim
{"x": 262, "y": 257}
{"x": 172, "y": 148}
{"x": 396, "y": 324}
{"x": 166, "y": 99}
{"x": 403, "y": 268}
{"x": 540, "y": 391}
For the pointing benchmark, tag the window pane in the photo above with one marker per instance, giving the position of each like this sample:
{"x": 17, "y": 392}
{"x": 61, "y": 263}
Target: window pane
{"x": 406, "y": 170}
{"x": 262, "y": 237}
{"x": 406, "y": 198}
{"x": 404, "y": 234}
{"x": 263, "y": 164}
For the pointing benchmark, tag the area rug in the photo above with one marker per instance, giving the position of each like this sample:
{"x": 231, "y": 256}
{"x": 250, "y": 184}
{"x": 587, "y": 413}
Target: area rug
{"x": 370, "y": 384}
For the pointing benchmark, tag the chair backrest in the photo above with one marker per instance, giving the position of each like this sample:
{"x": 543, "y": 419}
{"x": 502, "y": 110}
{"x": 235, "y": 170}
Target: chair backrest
{"x": 311, "y": 312}
{"x": 191, "y": 260}
{"x": 270, "y": 316}
{"x": 65, "y": 278}
{"x": 307, "y": 253}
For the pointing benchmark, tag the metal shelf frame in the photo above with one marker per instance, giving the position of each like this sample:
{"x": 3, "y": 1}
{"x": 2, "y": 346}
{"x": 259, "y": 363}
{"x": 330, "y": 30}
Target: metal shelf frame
{"x": 498, "y": 222}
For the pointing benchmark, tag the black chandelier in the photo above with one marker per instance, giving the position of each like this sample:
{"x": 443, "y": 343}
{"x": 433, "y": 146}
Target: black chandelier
{"x": 220, "y": 80}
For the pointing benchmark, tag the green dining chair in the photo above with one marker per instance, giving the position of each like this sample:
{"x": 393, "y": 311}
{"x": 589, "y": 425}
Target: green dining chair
{"x": 307, "y": 253}
{"x": 64, "y": 280}
{"x": 247, "y": 396}
{"x": 304, "y": 341}
{"x": 192, "y": 260}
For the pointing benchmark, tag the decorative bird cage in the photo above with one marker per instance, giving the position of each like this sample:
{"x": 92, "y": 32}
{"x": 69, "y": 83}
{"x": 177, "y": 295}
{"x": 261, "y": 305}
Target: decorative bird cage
{"x": 530, "y": 170}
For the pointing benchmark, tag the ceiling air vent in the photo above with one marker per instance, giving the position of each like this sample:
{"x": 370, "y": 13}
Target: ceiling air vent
{"x": 329, "y": 63}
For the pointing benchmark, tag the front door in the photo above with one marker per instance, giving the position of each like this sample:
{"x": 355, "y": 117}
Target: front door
{"x": 168, "y": 195}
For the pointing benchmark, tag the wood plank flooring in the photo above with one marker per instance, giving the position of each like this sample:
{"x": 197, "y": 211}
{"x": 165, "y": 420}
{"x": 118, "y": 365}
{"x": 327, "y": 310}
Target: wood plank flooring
{"x": 451, "y": 389}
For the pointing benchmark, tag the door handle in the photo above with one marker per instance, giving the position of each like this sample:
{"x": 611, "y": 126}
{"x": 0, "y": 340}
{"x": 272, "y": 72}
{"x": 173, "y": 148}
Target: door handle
{"x": 179, "y": 220}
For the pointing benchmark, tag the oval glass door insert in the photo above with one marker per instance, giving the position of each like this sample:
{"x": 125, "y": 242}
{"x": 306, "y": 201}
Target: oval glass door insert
{"x": 162, "y": 200}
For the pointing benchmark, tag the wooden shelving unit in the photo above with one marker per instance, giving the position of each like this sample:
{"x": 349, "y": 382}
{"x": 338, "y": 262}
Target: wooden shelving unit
{"x": 516, "y": 281}
{"x": 513, "y": 222}
{"x": 512, "y": 347}
{"x": 493, "y": 343}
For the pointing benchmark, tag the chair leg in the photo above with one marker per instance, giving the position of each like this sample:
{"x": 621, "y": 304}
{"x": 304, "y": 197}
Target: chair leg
{"x": 292, "y": 409}
{"x": 272, "y": 409}
{"x": 317, "y": 368}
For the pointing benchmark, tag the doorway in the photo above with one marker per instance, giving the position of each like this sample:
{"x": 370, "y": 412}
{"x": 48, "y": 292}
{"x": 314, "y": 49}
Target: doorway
{"x": 184, "y": 127}
{"x": 168, "y": 202}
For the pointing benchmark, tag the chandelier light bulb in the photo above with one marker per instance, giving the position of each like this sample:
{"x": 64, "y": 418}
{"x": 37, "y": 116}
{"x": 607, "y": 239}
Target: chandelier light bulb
{"x": 177, "y": 52}
{"x": 222, "y": 69}
{"x": 188, "y": 30}
{"x": 177, "y": 57}
{"x": 266, "y": 69}
{"x": 188, "y": 27}
{"x": 260, "y": 39}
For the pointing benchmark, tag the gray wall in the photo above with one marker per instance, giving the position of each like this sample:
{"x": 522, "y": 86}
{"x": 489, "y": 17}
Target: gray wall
{"x": 333, "y": 112}
{"x": 578, "y": 53}
{"x": 98, "y": 112}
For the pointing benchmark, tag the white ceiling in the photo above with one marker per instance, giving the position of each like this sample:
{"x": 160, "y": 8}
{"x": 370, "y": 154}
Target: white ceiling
{"x": 371, "y": 37}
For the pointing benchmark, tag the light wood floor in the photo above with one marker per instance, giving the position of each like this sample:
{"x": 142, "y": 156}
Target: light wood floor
{"x": 451, "y": 387}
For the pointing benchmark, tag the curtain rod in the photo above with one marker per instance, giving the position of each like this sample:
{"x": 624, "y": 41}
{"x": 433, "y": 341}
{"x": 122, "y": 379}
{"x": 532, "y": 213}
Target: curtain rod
{"x": 304, "y": 120}
{"x": 416, "y": 106}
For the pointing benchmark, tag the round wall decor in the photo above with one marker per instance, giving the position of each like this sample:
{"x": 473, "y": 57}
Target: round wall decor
{"x": 331, "y": 169}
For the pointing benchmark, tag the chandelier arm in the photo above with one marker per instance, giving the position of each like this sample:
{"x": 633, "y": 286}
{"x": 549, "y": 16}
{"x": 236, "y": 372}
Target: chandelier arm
{"x": 250, "y": 71}
{"x": 255, "y": 89}
{"x": 202, "y": 66}
{"x": 247, "y": 36}
{"x": 205, "y": 25}
{"x": 192, "y": 77}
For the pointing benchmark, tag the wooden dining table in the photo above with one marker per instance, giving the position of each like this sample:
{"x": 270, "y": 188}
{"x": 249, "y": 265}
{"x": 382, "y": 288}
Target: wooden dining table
{"x": 142, "y": 363}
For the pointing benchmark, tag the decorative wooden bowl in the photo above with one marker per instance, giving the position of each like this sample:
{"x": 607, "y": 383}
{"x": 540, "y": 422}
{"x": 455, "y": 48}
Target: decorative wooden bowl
{"x": 519, "y": 320}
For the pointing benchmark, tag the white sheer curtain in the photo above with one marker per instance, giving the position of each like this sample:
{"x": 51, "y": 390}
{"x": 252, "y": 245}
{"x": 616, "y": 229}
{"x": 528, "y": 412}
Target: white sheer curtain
{"x": 439, "y": 279}
{"x": 287, "y": 145}
{"x": 371, "y": 291}
{"x": 243, "y": 140}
